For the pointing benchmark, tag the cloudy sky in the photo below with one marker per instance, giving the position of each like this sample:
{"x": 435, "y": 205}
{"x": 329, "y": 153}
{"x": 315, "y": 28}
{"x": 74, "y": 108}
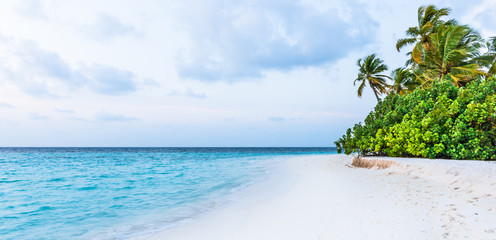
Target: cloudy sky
{"x": 196, "y": 73}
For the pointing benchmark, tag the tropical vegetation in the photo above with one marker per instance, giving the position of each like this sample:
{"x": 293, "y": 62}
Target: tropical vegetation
{"x": 441, "y": 104}
{"x": 370, "y": 71}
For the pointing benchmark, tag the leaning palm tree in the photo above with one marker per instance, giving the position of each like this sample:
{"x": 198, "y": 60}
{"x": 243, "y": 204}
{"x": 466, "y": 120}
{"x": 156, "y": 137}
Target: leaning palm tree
{"x": 370, "y": 70}
{"x": 454, "y": 52}
{"x": 404, "y": 81}
{"x": 428, "y": 18}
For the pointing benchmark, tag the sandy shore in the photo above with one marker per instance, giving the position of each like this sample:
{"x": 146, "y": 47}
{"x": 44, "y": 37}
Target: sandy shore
{"x": 322, "y": 197}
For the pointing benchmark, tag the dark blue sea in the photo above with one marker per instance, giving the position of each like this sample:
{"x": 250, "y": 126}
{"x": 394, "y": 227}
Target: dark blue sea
{"x": 123, "y": 193}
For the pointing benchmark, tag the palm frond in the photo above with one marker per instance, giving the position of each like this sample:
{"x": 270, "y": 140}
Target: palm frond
{"x": 417, "y": 53}
{"x": 360, "y": 89}
{"x": 404, "y": 42}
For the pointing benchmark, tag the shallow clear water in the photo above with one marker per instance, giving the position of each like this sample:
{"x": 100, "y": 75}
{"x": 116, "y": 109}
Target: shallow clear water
{"x": 120, "y": 193}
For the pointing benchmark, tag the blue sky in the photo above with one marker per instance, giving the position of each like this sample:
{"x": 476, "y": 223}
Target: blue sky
{"x": 196, "y": 73}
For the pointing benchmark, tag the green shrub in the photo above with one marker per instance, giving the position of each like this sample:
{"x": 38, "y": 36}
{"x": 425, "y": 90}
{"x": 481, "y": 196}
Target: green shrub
{"x": 443, "y": 121}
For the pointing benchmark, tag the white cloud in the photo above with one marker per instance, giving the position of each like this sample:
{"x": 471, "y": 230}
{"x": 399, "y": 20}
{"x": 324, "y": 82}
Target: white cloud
{"x": 6, "y": 105}
{"x": 32, "y": 9}
{"x": 108, "y": 80}
{"x": 44, "y": 73}
{"x": 62, "y": 110}
{"x": 235, "y": 40}
{"x": 112, "y": 117}
{"x": 108, "y": 27}
{"x": 482, "y": 16}
{"x": 276, "y": 119}
{"x": 187, "y": 93}
{"x": 37, "y": 116}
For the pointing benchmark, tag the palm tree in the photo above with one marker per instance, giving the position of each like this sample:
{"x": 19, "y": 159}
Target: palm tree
{"x": 491, "y": 56}
{"x": 404, "y": 81}
{"x": 454, "y": 52}
{"x": 428, "y": 18}
{"x": 370, "y": 72}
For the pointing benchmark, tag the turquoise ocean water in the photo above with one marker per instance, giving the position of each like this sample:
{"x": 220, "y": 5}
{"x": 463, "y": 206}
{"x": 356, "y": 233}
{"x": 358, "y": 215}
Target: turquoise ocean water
{"x": 122, "y": 193}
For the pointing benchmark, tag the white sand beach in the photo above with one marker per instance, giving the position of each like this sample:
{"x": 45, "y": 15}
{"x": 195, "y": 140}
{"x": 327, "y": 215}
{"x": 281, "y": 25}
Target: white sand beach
{"x": 323, "y": 197}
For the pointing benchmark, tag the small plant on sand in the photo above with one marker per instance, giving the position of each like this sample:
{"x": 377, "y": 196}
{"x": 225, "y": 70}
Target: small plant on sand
{"x": 371, "y": 163}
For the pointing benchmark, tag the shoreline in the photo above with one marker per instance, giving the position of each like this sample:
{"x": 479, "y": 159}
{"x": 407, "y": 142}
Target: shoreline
{"x": 322, "y": 197}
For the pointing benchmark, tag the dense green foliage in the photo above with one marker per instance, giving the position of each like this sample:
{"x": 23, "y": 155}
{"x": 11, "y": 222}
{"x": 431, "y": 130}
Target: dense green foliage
{"x": 443, "y": 121}
{"x": 442, "y": 104}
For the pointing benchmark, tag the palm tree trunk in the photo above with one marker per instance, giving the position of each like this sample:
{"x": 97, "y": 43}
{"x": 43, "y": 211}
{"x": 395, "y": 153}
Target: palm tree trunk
{"x": 375, "y": 92}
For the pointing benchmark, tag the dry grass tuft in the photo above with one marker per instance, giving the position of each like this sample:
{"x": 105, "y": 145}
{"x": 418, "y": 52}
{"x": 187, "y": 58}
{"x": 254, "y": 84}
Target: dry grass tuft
{"x": 371, "y": 163}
